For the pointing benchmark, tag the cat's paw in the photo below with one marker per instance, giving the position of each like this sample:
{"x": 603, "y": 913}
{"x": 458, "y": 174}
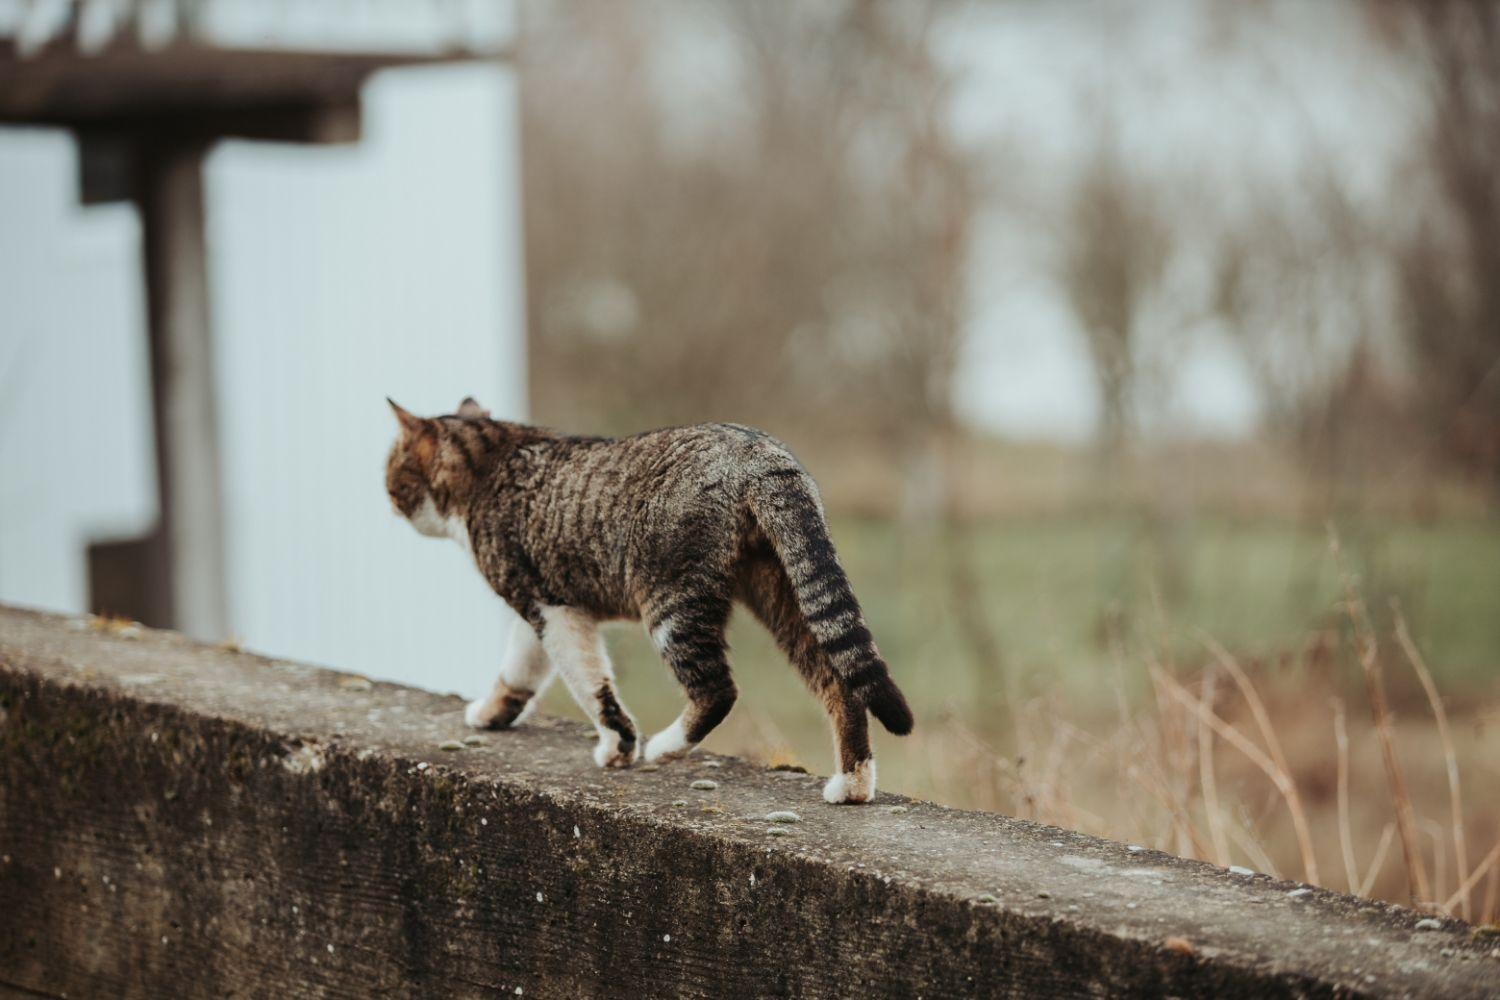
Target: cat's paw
{"x": 490, "y": 713}
{"x": 668, "y": 744}
{"x": 611, "y": 751}
{"x": 479, "y": 713}
{"x": 851, "y": 786}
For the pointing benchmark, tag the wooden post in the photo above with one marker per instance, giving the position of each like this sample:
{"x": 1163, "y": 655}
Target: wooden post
{"x": 184, "y": 557}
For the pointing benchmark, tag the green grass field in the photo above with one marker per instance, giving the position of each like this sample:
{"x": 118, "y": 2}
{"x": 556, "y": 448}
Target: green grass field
{"x": 1056, "y": 593}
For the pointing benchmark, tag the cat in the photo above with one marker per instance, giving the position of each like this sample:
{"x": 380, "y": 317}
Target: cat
{"x": 669, "y": 528}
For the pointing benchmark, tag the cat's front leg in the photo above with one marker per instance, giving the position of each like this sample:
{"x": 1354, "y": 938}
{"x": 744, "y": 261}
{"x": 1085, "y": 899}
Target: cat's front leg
{"x": 524, "y": 672}
{"x": 573, "y": 644}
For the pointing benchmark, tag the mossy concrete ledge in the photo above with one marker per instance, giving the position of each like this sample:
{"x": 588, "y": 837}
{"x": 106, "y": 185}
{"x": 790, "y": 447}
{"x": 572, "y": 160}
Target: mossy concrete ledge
{"x": 184, "y": 820}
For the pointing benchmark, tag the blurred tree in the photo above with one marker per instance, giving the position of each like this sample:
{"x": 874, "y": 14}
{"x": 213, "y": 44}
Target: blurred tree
{"x": 1301, "y": 285}
{"x": 1374, "y": 329}
{"x": 1115, "y": 247}
{"x": 1448, "y": 263}
{"x": 787, "y": 250}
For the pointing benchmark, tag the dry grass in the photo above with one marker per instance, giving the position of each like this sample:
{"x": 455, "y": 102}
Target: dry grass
{"x": 1369, "y": 661}
{"x": 1160, "y": 775}
{"x": 1450, "y": 757}
{"x": 1269, "y": 771}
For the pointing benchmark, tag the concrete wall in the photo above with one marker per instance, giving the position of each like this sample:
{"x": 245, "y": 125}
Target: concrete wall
{"x": 178, "y": 820}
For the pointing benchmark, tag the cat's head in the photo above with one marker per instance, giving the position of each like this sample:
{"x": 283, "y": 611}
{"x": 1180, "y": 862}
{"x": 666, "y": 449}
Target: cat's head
{"x": 429, "y": 472}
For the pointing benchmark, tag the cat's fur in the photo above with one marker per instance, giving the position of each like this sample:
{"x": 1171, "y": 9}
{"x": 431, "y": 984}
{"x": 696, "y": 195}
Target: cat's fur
{"x": 668, "y": 528}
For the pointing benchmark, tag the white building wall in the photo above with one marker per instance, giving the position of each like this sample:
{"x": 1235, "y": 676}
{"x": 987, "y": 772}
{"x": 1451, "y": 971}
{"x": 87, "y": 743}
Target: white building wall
{"x": 75, "y": 419}
{"x": 340, "y": 275}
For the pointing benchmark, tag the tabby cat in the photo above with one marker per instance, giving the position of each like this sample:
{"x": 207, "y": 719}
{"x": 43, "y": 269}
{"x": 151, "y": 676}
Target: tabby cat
{"x": 668, "y": 528}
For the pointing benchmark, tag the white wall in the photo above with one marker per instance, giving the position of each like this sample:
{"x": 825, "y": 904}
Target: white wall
{"x": 75, "y": 418}
{"x": 340, "y": 275}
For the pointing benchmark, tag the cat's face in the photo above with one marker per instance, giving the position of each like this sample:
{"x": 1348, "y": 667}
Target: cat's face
{"x": 408, "y": 468}
{"x": 415, "y": 467}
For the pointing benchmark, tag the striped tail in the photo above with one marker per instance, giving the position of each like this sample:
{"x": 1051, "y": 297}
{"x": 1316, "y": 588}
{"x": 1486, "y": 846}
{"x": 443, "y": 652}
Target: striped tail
{"x": 786, "y": 505}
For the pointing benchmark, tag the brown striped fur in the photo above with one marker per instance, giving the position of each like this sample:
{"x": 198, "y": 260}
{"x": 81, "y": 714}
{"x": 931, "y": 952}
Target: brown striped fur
{"x": 668, "y": 527}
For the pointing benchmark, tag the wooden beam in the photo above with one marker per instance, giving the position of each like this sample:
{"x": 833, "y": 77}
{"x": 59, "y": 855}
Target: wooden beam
{"x": 222, "y": 91}
{"x": 110, "y": 152}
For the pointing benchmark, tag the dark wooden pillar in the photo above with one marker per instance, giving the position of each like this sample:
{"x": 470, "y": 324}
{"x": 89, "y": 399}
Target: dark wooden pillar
{"x": 182, "y": 561}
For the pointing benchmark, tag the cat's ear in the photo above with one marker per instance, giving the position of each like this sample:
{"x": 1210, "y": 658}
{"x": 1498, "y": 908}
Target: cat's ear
{"x": 410, "y": 423}
{"x": 470, "y": 409}
{"x": 418, "y": 434}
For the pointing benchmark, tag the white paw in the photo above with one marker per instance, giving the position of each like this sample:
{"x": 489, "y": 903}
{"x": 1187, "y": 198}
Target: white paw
{"x": 478, "y": 714}
{"x": 607, "y": 751}
{"x": 668, "y": 743}
{"x": 854, "y": 786}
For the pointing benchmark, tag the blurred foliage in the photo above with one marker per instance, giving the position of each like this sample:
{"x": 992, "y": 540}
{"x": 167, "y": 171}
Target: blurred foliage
{"x": 800, "y": 264}
{"x": 790, "y": 244}
{"x": 1116, "y": 247}
{"x": 1448, "y": 261}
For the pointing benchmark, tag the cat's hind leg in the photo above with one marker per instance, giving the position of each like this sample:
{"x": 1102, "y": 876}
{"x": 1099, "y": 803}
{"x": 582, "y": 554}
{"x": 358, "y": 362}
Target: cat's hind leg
{"x": 524, "y": 672}
{"x": 855, "y": 780}
{"x": 767, "y": 591}
{"x": 689, "y": 634}
{"x": 573, "y": 644}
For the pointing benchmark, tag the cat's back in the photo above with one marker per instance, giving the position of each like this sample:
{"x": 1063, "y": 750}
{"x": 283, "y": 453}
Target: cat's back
{"x": 701, "y": 454}
{"x": 694, "y": 464}
{"x": 608, "y": 520}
